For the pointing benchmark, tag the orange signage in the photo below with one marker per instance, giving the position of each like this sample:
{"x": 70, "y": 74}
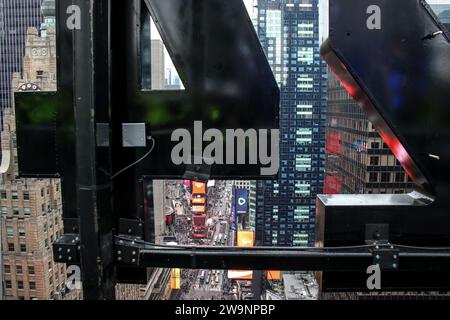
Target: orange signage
{"x": 175, "y": 279}
{"x": 198, "y": 188}
{"x": 273, "y": 275}
{"x": 245, "y": 239}
{"x": 240, "y": 275}
{"x": 201, "y": 200}
{"x": 198, "y": 209}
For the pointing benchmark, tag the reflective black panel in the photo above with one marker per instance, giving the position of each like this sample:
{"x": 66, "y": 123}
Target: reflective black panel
{"x": 393, "y": 57}
{"x": 400, "y": 76}
{"x": 215, "y": 49}
{"x": 45, "y": 123}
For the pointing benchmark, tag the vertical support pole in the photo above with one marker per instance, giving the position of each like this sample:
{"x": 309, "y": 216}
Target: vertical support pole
{"x": 1, "y": 257}
{"x": 126, "y": 46}
{"x": 92, "y": 102}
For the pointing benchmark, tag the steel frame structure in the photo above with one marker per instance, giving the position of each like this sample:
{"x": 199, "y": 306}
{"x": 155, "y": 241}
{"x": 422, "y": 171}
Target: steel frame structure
{"x": 110, "y": 247}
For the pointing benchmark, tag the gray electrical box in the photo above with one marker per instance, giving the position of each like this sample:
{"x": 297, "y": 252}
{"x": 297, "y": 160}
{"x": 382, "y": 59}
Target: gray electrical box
{"x": 134, "y": 135}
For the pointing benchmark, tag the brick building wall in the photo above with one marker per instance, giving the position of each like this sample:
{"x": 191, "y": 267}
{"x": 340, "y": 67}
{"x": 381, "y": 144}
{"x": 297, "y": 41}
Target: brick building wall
{"x": 31, "y": 209}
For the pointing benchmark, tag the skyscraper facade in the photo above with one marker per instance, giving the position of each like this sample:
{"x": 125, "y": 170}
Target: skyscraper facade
{"x": 158, "y": 65}
{"x": 31, "y": 209}
{"x": 15, "y": 18}
{"x": 357, "y": 161}
{"x": 284, "y": 210}
{"x": 444, "y": 17}
{"x": 442, "y": 10}
{"x": 242, "y": 184}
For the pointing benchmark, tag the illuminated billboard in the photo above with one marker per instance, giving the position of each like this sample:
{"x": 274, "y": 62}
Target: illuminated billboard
{"x": 273, "y": 275}
{"x": 175, "y": 279}
{"x": 198, "y": 188}
{"x": 333, "y": 143}
{"x": 200, "y": 200}
{"x": 240, "y": 275}
{"x": 233, "y": 218}
{"x": 211, "y": 183}
{"x": 332, "y": 185}
{"x": 198, "y": 209}
{"x": 245, "y": 239}
{"x": 241, "y": 201}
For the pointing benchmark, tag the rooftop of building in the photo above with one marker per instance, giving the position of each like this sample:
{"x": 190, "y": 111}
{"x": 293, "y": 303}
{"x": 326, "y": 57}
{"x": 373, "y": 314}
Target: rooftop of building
{"x": 445, "y": 16}
{"x": 300, "y": 286}
{"x": 48, "y": 8}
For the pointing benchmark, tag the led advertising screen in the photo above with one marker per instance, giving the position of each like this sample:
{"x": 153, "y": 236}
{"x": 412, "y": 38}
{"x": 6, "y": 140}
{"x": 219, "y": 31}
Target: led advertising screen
{"x": 175, "y": 279}
{"x": 198, "y": 188}
{"x": 333, "y": 185}
{"x": 273, "y": 275}
{"x": 198, "y": 209}
{"x": 245, "y": 239}
{"x": 333, "y": 143}
{"x": 240, "y": 275}
{"x": 211, "y": 183}
{"x": 200, "y": 200}
{"x": 233, "y": 218}
{"x": 241, "y": 201}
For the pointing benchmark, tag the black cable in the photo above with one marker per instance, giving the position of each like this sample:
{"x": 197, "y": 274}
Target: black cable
{"x": 154, "y": 246}
{"x": 138, "y": 161}
{"x": 423, "y": 248}
{"x": 311, "y": 249}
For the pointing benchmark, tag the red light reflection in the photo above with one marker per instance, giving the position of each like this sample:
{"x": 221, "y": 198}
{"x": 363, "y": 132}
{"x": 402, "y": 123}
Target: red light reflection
{"x": 385, "y": 131}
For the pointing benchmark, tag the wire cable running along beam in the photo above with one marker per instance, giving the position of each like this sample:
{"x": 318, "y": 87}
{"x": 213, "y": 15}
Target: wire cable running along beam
{"x": 358, "y": 258}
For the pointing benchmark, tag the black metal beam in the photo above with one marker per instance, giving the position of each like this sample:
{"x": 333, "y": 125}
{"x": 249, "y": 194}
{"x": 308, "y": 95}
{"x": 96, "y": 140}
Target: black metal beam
{"x": 91, "y": 106}
{"x": 276, "y": 260}
{"x": 265, "y": 258}
{"x": 255, "y": 260}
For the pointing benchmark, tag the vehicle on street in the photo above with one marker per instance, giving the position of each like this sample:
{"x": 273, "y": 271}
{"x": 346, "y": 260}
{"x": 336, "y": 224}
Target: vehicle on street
{"x": 202, "y": 277}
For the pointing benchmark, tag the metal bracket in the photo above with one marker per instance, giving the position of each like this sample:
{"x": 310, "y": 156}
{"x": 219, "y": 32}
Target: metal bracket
{"x": 386, "y": 257}
{"x": 131, "y": 228}
{"x": 66, "y": 249}
{"x": 377, "y": 233}
{"x": 127, "y": 254}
